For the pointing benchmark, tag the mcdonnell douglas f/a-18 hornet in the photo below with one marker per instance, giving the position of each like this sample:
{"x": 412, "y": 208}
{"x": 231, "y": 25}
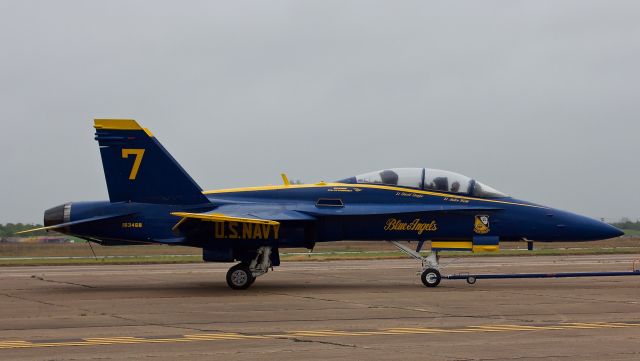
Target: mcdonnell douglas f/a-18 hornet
{"x": 152, "y": 200}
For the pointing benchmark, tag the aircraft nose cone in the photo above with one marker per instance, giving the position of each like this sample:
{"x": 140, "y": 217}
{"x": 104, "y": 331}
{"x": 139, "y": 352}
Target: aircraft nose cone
{"x": 609, "y": 231}
{"x": 588, "y": 229}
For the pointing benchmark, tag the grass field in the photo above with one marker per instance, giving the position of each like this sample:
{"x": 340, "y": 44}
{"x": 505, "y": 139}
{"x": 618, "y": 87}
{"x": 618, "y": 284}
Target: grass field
{"x": 632, "y": 232}
{"x": 25, "y": 254}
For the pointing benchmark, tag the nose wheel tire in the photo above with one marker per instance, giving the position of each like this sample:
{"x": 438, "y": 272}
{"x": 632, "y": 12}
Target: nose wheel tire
{"x": 239, "y": 277}
{"x": 431, "y": 277}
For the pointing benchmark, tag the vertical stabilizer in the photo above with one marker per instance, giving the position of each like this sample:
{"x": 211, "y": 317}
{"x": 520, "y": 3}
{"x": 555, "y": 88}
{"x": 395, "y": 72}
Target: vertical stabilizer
{"x": 138, "y": 168}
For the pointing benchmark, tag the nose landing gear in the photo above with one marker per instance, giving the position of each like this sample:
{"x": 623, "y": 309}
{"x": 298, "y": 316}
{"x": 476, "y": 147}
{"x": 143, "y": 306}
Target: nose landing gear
{"x": 430, "y": 277}
{"x": 430, "y": 274}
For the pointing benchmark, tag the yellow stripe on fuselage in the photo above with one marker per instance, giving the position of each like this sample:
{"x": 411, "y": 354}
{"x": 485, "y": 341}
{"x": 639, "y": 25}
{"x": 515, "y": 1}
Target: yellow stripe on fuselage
{"x": 465, "y": 245}
{"x": 370, "y": 186}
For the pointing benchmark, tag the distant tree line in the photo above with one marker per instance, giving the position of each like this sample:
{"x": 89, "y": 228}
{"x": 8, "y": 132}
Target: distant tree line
{"x": 9, "y": 229}
{"x": 626, "y": 223}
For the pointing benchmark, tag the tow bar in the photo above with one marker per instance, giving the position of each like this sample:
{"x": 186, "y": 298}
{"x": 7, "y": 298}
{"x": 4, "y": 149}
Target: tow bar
{"x": 472, "y": 278}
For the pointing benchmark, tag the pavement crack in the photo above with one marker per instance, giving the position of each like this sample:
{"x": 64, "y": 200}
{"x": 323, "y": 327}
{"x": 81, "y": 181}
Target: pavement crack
{"x": 295, "y": 339}
{"x": 30, "y": 300}
{"x": 367, "y": 305}
{"x": 135, "y": 322}
{"x": 512, "y": 318}
{"x": 157, "y": 324}
{"x": 392, "y": 307}
{"x": 61, "y": 282}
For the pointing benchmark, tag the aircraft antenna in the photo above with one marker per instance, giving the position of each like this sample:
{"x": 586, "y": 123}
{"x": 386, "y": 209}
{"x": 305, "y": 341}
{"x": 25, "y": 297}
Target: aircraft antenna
{"x": 285, "y": 179}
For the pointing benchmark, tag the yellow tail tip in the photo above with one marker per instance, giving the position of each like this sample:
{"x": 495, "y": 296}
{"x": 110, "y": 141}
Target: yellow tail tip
{"x": 122, "y": 124}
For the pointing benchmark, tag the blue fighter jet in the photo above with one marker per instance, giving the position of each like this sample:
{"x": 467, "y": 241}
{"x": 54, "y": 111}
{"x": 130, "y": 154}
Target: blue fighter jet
{"x": 152, "y": 200}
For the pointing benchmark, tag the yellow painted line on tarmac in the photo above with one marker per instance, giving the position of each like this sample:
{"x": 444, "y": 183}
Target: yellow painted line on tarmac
{"x": 620, "y": 324}
{"x": 223, "y": 336}
{"x": 317, "y": 333}
{"x": 50, "y": 344}
{"x": 280, "y": 335}
{"x": 326, "y": 333}
{"x": 110, "y": 340}
{"x": 424, "y": 330}
{"x": 396, "y": 331}
{"x": 585, "y": 327}
{"x": 213, "y": 338}
{"x": 343, "y": 333}
{"x": 605, "y": 325}
{"x": 498, "y": 328}
{"x": 166, "y": 340}
{"x": 487, "y": 329}
{"x": 14, "y": 342}
{"x": 434, "y": 330}
{"x": 526, "y": 328}
{"x": 375, "y": 333}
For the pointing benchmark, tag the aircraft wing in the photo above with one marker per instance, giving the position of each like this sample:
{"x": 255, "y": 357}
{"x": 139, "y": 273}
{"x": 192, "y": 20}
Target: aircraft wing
{"x": 221, "y": 217}
{"x": 257, "y": 214}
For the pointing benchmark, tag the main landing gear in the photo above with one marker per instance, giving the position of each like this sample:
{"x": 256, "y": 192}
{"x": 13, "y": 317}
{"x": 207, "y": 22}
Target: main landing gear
{"x": 242, "y": 275}
{"x": 430, "y": 274}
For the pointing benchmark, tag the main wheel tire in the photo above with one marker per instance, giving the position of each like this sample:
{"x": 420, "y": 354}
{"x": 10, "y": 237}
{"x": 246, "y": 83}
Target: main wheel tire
{"x": 431, "y": 277}
{"x": 239, "y": 277}
{"x": 252, "y": 280}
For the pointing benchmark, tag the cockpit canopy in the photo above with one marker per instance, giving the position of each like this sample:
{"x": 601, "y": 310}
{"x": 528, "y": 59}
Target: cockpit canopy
{"x": 427, "y": 179}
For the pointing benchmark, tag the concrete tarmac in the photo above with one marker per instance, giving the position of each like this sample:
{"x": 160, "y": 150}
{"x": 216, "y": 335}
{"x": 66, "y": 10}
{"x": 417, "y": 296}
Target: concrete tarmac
{"x": 339, "y": 310}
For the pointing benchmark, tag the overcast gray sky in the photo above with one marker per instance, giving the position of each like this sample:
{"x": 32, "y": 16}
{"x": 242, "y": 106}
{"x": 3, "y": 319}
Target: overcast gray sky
{"x": 539, "y": 99}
